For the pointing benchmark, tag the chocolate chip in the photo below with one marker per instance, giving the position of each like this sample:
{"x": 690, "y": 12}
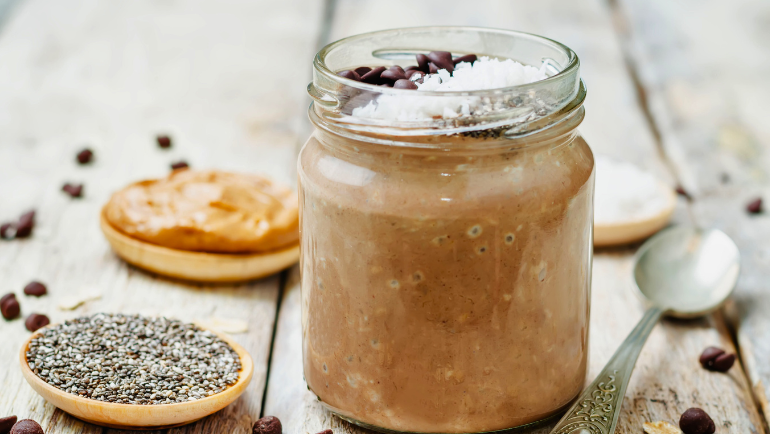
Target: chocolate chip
{"x": 442, "y": 59}
{"x": 9, "y": 306}
{"x": 361, "y": 70}
{"x": 411, "y": 68}
{"x": 755, "y": 206}
{"x": 35, "y": 288}
{"x": 422, "y": 62}
{"x": 723, "y": 363}
{"x": 7, "y": 231}
{"x": 27, "y": 426}
{"x": 715, "y": 359}
{"x": 326, "y": 431}
{"x": 36, "y": 321}
{"x": 709, "y": 354}
{"x": 85, "y": 156}
{"x": 25, "y": 225}
{"x": 352, "y": 75}
{"x": 163, "y": 141}
{"x": 373, "y": 76}
{"x": 432, "y": 68}
{"x": 268, "y": 425}
{"x": 394, "y": 73}
{"x": 412, "y": 72}
{"x": 180, "y": 165}
{"x": 6, "y": 423}
{"x": 696, "y": 421}
{"x": 74, "y": 190}
{"x": 682, "y": 192}
{"x": 470, "y": 58}
{"x": 404, "y": 84}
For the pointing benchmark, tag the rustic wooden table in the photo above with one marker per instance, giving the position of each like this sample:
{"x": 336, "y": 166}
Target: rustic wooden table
{"x": 677, "y": 86}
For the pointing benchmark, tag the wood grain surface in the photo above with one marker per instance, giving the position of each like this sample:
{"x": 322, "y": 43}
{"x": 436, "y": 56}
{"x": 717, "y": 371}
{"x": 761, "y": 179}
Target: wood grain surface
{"x": 707, "y": 89}
{"x": 668, "y": 91}
{"x": 110, "y": 76}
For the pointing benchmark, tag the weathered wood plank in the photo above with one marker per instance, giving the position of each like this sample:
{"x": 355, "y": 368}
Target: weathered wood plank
{"x": 705, "y": 68}
{"x": 668, "y": 379}
{"x": 112, "y": 75}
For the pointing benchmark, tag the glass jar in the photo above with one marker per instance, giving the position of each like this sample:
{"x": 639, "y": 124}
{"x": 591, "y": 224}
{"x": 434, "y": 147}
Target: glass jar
{"x": 446, "y": 262}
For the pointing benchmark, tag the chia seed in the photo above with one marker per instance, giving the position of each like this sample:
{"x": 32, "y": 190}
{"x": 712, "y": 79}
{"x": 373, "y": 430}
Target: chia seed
{"x": 130, "y": 359}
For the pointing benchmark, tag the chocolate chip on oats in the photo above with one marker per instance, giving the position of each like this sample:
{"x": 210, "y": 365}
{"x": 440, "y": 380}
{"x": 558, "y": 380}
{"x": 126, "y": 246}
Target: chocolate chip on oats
{"x": 361, "y": 70}
{"x": 442, "y": 59}
{"x": 373, "y": 76}
{"x": 27, "y": 426}
{"x": 267, "y": 425}
{"x": 25, "y": 225}
{"x": 180, "y": 165}
{"x": 715, "y": 359}
{"x": 326, "y": 431}
{"x": 682, "y": 192}
{"x": 35, "y": 288}
{"x": 696, "y": 421}
{"x": 9, "y": 306}
{"x": 6, "y": 423}
{"x": 755, "y": 206}
{"x": 163, "y": 141}
{"x": 394, "y": 73}
{"x": 85, "y": 156}
{"x": 352, "y": 75}
{"x": 422, "y": 62}
{"x": 470, "y": 58}
{"x": 36, "y": 321}
{"x": 404, "y": 84}
{"x": 7, "y": 231}
{"x": 74, "y": 190}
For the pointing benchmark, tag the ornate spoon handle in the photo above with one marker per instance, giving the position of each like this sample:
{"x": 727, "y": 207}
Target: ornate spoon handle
{"x": 597, "y": 409}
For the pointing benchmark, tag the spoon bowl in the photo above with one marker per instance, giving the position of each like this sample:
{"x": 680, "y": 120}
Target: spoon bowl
{"x": 687, "y": 272}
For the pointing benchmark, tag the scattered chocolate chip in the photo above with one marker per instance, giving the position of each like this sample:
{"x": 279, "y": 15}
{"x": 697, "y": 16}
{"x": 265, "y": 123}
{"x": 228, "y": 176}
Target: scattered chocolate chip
{"x": 9, "y": 306}
{"x": 85, "y": 156}
{"x": 755, "y": 206}
{"x": 723, "y": 363}
{"x": 682, "y": 192}
{"x": 442, "y": 59}
{"x": 6, "y": 423}
{"x": 709, "y": 354}
{"x": 352, "y": 75}
{"x": 470, "y": 58}
{"x": 163, "y": 141}
{"x": 8, "y": 231}
{"x": 27, "y": 426}
{"x": 361, "y": 70}
{"x": 268, "y": 425}
{"x": 74, "y": 190}
{"x": 180, "y": 165}
{"x": 373, "y": 76}
{"x": 432, "y": 68}
{"x": 422, "y": 62}
{"x": 696, "y": 421}
{"x": 36, "y": 321}
{"x": 411, "y": 68}
{"x": 404, "y": 84}
{"x": 25, "y": 225}
{"x": 395, "y": 73}
{"x": 715, "y": 359}
{"x": 326, "y": 431}
{"x": 35, "y": 288}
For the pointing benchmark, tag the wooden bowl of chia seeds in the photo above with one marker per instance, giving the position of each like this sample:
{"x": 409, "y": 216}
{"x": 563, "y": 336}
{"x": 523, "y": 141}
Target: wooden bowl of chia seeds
{"x": 133, "y": 372}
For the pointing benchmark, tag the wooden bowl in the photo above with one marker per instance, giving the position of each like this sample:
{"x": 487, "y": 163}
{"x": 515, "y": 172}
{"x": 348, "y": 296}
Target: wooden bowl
{"x": 140, "y": 417}
{"x": 197, "y": 266}
{"x": 631, "y": 231}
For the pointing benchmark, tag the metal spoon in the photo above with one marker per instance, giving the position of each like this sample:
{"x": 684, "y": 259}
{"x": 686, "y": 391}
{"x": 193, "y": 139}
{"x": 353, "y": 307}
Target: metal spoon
{"x": 682, "y": 272}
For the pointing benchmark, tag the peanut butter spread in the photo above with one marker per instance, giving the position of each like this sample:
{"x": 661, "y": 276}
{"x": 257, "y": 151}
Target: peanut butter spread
{"x": 209, "y": 211}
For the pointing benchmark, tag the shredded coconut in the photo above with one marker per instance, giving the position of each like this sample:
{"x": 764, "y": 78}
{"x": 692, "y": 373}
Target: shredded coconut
{"x": 625, "y": 193}
{"x": 485, "y": 73}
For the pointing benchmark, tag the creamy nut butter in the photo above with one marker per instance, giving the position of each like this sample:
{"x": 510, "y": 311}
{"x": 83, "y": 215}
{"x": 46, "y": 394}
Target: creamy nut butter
{"x": 446, "y": 263}
{"x": 209, "y": 211}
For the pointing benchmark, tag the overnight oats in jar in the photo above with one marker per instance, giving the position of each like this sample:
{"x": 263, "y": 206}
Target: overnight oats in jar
{"x": 446, "y": 211}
